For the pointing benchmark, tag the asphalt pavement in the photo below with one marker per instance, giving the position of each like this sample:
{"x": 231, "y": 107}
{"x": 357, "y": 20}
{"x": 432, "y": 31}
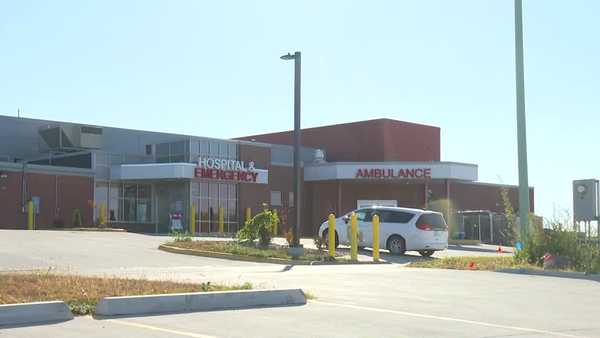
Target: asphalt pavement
{"x": 389, "y": 300}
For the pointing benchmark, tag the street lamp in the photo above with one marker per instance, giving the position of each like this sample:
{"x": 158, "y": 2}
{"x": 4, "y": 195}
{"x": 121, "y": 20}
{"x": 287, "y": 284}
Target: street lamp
{"x": 297, "y": 166}
{"x": 521, "y": 123}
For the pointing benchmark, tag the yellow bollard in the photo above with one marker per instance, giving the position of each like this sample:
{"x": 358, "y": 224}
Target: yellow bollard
{"x": 375, "y": 238}
{"x": 275, "y": 225}
{"x": 248, "y": 214}
{"x": 30, "y": 215}
{"x": 193, "y": 219}
{"x": 331, "y": 233}
{"x": 102, "y": 216}
{"x": 353, "y": 238}
{"x": 221, "y": 220}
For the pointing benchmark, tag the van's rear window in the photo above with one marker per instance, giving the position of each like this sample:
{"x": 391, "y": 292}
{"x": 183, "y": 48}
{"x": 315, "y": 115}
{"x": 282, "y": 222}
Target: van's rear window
{"x": 436, "y": 221}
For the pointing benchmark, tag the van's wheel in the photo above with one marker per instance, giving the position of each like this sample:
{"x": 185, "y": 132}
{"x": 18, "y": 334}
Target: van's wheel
{"x": 396, "y": 245}
{"x": 426, "y": 253}
{"x": 326, "y": 239}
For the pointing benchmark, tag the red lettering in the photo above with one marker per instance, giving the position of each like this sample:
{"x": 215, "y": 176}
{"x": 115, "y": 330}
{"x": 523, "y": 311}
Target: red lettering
{"x": 427, "y": 172}
{"x": 359, "y": 173}
{"x": 418, "y": 172}
{"x": 254, "y": 176}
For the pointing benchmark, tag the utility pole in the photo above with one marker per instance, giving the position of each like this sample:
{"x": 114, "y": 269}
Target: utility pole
{"x": 297, "y": 159}
{"x": 521, "y": 123}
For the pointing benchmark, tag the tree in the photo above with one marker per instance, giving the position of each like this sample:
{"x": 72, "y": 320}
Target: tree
{"x": 509, "y": 232}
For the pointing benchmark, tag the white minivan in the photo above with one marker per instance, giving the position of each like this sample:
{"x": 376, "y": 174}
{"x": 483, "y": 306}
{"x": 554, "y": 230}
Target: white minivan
{"x": 400, "y": 230}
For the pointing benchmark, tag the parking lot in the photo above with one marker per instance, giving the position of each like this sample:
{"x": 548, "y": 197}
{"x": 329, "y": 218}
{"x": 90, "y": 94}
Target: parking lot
{"x": 387, "y": 300}
{"x": 115, "y": 252}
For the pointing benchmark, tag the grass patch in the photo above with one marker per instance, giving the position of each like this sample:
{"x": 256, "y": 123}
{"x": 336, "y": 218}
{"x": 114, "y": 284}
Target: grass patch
{"x": 83, "y": 293}
{"x": 234, "y": 248}
{"x": 472, "y": 263}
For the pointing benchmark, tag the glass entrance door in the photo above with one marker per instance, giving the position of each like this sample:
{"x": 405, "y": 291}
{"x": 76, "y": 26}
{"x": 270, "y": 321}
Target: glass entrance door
{"x": 211, "y": 199}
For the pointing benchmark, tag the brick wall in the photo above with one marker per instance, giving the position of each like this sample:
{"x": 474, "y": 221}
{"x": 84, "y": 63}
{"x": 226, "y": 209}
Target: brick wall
{"x": 59, "y": 195}
{"x": 373, "y": 140}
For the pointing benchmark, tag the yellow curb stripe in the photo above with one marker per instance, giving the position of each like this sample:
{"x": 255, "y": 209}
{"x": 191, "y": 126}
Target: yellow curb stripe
{"x": 458, "y": 320}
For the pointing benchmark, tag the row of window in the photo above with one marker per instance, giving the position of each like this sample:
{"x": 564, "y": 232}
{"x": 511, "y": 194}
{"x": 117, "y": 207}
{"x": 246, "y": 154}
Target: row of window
{"x": 212, "y": 198}
{"x": 388, "y": 216}
{"x": 132, "y": 202}
{"x": 180, "y": 151}
{"x": 126, "y": 202}
{"x": 277, "y": 200}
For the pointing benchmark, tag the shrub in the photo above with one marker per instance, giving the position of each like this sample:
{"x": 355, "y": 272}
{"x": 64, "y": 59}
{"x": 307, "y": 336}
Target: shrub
{"x": 76, "y": 220}
{"x": 508, "y": 233}
{"x": 320, "y": 244}
{"x": 259, "y": 227}
{"x": 289, "y": 236}
{"x": 180, "y": 236}
{"x": 559, "y": 241}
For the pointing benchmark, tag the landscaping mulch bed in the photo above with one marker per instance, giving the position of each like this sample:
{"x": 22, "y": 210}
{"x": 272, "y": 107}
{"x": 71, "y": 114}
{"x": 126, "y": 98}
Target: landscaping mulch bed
{"x": 273, "y": 251}
{"x": 472, "y": 263}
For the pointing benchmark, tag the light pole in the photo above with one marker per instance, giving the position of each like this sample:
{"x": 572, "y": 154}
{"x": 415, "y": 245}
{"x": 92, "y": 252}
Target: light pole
{"x": 297, "y": 165}
{"x": 521, "y": 128}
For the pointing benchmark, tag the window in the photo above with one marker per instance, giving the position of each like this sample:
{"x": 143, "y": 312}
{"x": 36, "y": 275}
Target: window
{"x": 394, "y": 216}
{"x": 148, "y": 149}
{"x": 136, "y": 203}
{"x": 203, "y": 148}
{"x": 291, "y": 199}
{"x": 435, "y": 221}
{"x": 232, "y": 151}
{"x": 100, "y": 199}
{"x": 275, "y": 198}
{"x": 172, "y": 152}
{"x": 209, "y": 198}
{"x": 214, "y": 149}
{"x": 364, "y": 215}
{"x": 162, "y": 152}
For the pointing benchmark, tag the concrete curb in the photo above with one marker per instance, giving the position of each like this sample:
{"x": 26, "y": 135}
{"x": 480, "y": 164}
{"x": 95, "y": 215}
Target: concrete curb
{"x": 464, "y": 242}
{"x": 224, "y": 255}
{"x": 28, "y": 313}
{"x": 198, "y": 301}
{"x": 564, "y": 274}
{"x": 96, "y": 229}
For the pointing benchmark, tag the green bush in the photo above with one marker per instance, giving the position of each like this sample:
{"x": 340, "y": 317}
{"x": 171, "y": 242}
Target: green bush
{"x": 508, "y": 232}
{"x": 259, "y": 227}
{"x": 559, "y": 241}
{"x": 77, "y": 222}
{"x": 180, "y": 236}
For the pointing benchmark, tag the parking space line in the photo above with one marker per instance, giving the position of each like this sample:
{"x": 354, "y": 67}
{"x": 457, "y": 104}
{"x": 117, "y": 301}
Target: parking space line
{"x": 157, "y": 328}
{"x": 458, "y": 320}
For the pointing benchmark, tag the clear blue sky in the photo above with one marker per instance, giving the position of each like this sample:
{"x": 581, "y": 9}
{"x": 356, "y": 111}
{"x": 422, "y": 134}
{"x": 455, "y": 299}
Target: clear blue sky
{"x": 212, "y": 68}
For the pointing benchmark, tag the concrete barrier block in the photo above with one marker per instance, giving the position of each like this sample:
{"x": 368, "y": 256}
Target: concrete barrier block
{"x": 199, "y": 301}
{"x": 28, "y": 313}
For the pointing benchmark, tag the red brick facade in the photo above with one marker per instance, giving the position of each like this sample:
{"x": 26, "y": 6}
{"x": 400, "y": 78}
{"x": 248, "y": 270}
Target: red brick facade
{"x": 59, "y": 195}
{"x": 373, "y": 140}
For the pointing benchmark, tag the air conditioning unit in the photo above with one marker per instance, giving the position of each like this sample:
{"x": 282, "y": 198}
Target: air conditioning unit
{"x": 71, "y": 137}
{"x": 88, "y": 137}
